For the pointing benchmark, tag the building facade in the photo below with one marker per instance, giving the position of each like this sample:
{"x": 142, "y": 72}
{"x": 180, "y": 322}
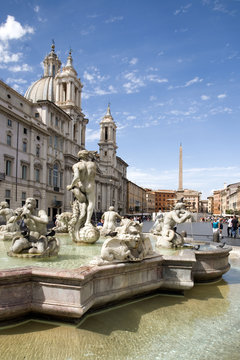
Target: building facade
{"x": 136, "y": 199}
{"x": 164, "y": 200}
{"x": 41, "y": 135}
{"x": 150, "y": 201}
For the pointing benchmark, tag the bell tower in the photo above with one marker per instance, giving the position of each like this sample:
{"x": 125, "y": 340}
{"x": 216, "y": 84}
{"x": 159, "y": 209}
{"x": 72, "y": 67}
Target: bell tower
{"x": 51, "y": 63}
{"x": 107, "y": 143}
{"x": 68, "y": 97}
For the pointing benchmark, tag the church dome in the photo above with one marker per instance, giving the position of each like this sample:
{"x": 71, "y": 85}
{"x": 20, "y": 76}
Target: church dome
{"x": 43, "y": 89}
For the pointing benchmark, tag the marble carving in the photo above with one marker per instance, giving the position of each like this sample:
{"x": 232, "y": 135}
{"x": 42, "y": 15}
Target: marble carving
{"x": 34, "y": 241}
{"x": 11, "y": 227}
{"x": 83, "y": 188}
{"x": 164, "y": 227}
{"x": 128, "y": 245}
{"x": 62, "y": 222}
{"x": 110, "y": 218}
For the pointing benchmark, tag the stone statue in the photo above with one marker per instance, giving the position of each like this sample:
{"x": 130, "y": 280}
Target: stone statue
{"x": 158, "y": 224}
{"x": 11, "y": 228}
{"x": 165, "y": 230}
{"x": 129, "y": 244}
{"x": 83, "y": 188}
{"x": 34, "y": 241}
{"x": 62, "y": 221}
{"x": 109, "y": 217}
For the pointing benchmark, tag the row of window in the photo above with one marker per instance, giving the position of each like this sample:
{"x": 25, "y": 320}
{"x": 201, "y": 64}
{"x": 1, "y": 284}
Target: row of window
{"x": 56, "y": 122}
{"x": 24, "y": 145}
{"x": 10, "y": 123}
{"x": 55, "y": 176}
{"x": 56, "y": 142}
{"x": 8, "y": 197}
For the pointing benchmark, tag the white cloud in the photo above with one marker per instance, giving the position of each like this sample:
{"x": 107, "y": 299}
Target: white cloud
{"x": 12, "y": 29}
{"x": 6, "y": 56}
{"x": 193, "y": 81}
{"x": 92, "y": 135}
{"x": 113, "y": 19}
{"x": 218, "y": 6}
{"x": 193, "y": 178}
{"x": 183, "y": 9}
{"x": 36, "y": 8}
{"x": 88, "y": 30}
{"x": 17, "y": 81}
{"x": 92, "y": 75}
{"x": 157, "y": 79}
{"x": 110, "y": 90}
{"x": 89, "y": 77}
{"x": 221, "y": 96}
{"x": 133, "y": 82}
{"x": 189, "y": 112}
{"x": 220, "y": 110}
{"x": 152, "y": 98}
{"x": 97, "y": 91}
{"x": 131, "y": 117}
{"x": 18, "y": 68}
{"x": 133, "y": 61}
{"x": 187, "y": 84}
{"x": 205, "y": 97}
{"x": 182, "y": 30}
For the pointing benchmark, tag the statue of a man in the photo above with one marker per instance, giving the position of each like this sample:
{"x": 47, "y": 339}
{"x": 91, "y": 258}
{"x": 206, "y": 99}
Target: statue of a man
{"x": 7, "y": 213}
{"x": 35, "y": 239}
{"x": 109, "y": 217}
{"x": 84, "y": 172}
{"x": 168, "y": 236}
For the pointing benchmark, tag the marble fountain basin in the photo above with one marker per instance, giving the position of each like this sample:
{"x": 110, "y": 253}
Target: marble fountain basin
{"x": 68, "y": 286}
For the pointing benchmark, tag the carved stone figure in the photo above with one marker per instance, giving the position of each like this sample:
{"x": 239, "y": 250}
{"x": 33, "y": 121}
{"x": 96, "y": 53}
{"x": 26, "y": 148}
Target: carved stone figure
{"x": 167, "y": 237}
{"x": 34, "y": 241}
{"x": 109, "y": 217}
{"x": 83, "y": 188}
{"x": 129, "y": 244}
{"x": 62, "y": 222}
{"x": 158, "y": 225}
{"x": 11, "y": 228}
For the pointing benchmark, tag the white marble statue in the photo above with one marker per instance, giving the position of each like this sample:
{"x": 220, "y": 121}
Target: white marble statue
{"x": 109, "y": 221}
{"x": 83, "y": 188}
{"x": 34, "y": 240}
{"x": 11, "y": 228}
{"x": 62, "y": 221}
{"x": 165, "y": 229}
{"x": 129, "y": 244}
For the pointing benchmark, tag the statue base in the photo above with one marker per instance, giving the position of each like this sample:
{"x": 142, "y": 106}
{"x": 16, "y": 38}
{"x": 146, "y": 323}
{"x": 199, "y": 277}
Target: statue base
{"x": 31, "y": 256}
{"x": 87, "y": 235}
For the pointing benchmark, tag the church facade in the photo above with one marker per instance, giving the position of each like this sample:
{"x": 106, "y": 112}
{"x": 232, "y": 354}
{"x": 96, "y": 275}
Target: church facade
{"x": 41, "y": 134}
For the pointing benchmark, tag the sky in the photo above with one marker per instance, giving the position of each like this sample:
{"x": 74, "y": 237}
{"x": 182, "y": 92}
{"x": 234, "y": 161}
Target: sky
{"x": 169, "y": 69}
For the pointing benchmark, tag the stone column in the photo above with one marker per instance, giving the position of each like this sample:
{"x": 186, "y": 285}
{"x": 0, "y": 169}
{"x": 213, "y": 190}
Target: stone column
{"x": 68, "y": 98}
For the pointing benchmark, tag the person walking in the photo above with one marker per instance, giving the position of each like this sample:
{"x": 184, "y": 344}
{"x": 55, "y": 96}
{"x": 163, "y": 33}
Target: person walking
{"x": 215, "y": 227}
{"x": 229, "y": 227}
{"x": 220, "y": 228}
{"x": 234, "y": 226}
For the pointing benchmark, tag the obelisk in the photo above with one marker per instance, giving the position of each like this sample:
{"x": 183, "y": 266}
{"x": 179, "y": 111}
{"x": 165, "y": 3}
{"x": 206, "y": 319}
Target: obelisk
{"x": 180, "y": 178}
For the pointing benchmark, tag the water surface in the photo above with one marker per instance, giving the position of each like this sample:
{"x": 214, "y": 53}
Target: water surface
{"x": 202, "y": 325}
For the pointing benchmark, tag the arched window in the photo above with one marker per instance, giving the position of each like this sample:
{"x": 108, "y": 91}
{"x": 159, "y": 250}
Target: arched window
{"x": 55, "y": 175}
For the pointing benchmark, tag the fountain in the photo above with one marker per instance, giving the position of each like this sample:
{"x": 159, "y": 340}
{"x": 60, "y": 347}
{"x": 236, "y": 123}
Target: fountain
{"x": 126, "y": 264}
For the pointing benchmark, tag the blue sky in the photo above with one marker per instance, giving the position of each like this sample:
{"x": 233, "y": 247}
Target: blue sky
{"x": 170, "y": 70}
